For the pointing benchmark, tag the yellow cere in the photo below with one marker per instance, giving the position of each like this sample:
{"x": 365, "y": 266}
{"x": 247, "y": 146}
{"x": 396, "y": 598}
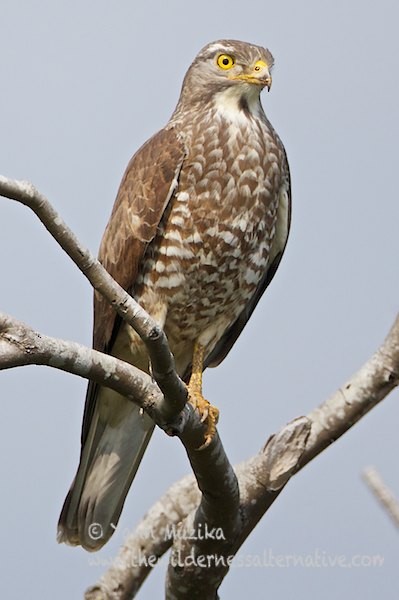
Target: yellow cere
{"x": 260, "y": 64}
{"x": 225, "y": 61}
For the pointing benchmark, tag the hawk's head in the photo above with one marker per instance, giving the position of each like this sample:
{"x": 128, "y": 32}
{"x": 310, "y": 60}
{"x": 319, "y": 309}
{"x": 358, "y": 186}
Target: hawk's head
{"x": 228, "y": 67}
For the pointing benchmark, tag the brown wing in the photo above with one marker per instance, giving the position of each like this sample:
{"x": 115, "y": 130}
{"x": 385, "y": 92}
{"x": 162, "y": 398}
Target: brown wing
{"x": 145, "y": 190}
{"x": 147, "y": 185}
{"x": 228, "y": 340}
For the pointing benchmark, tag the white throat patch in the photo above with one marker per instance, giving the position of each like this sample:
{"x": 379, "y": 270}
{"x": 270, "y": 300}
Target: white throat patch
{"x": 229, "y": 103}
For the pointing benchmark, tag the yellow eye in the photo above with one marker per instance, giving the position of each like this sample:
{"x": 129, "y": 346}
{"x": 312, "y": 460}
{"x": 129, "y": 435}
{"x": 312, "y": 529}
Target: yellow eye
{"x": 260, "y": 64}
{"x": 225, "y": 61}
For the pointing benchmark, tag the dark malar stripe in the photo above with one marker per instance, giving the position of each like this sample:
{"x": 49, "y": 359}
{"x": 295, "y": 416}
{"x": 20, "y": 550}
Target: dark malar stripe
{"x": 243, "y": 105}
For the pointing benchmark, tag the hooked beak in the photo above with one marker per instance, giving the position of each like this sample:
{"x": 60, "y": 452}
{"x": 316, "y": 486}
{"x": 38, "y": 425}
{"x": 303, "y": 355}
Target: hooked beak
{"x": 259, "y": 75}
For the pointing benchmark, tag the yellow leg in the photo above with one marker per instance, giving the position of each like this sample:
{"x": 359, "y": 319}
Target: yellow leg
{"x": 208, "y": 413}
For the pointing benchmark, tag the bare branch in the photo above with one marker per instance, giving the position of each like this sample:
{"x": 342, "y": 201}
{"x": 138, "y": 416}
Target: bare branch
{"x": 371, "y": 384}
{"x": 20, "y": 345}
{"x": 161, "y": 358}
{"x": 263, "y": 477}
{"x": 260, "y": 480}
{"x": 147, "y": 543}
{"x": 209, "y": 531}
{"x": 382, "y": 493}
{"x": 215, "y": 476}
{"x": 221, "y": 508}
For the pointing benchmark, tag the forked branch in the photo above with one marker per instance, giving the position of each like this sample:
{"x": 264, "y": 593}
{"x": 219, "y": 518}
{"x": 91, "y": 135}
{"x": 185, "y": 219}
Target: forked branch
{"x": 20, "y": 345}
{"x": 230, "y": 503}
{"x": 261, "y": 478}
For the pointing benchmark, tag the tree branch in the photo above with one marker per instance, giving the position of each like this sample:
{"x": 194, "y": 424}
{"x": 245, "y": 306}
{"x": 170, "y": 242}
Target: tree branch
{"x": 262, "y": 477}
{"x": 20, "y": 345}
{"x": 215, "y": 476}
{"x": 152, "y": 335}
{"x": 374, "y": 380}
{"x": 382, "y": 493}
{"x": 147, "y": 543}
{"x": 222, "y": 507}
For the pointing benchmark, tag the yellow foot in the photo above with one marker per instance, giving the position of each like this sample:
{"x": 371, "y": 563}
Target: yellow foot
{"x": 209, "y": 414}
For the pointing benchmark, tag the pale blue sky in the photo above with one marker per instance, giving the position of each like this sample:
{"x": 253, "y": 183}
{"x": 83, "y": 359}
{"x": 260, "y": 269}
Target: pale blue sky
{"x": 82, "y": 86}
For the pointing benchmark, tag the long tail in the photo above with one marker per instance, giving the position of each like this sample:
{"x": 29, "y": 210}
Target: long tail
{"x": 117, "y": 437}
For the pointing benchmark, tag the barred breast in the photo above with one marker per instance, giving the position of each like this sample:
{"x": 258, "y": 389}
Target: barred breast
{"x": 213, "y": 244}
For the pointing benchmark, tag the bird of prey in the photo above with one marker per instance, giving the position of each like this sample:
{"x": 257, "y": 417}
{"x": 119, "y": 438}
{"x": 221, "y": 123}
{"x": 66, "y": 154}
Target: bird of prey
{"x": 196, "y": 234}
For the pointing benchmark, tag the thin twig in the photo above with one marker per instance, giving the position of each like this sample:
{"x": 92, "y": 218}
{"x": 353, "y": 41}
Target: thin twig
{"x": 382, "y": 493}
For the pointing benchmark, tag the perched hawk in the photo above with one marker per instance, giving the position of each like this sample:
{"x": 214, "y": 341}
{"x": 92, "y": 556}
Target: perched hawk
{"x": 196, "y": 234}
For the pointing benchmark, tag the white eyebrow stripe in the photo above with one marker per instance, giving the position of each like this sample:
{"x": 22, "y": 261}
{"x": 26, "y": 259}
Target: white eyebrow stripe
{"x": 221, "y": 47}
